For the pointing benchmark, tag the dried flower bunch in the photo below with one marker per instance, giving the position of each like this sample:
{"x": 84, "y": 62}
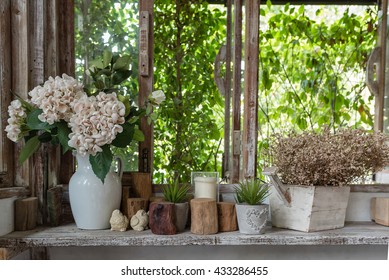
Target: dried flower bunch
{"x": 329, "y": 159}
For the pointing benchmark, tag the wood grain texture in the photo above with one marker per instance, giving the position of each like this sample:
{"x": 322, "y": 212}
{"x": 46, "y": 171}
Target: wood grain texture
{"x": 145, "y": 88}
{"x": 357, "y": 233}
{"x": 20, "y": 74}
{"x": 203, "y": 216}
{"x": 250, "y": 121}
{"x": 136, "y": 204}
{"x": 26, "y": 210}
{"x": 6, "y": 161}
{"x": 227, "y": 220}
{"x": 237, "y": 89}
{"x": 161, "y": 218}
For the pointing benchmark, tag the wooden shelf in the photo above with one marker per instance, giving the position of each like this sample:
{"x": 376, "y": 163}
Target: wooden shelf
{"x": 361, "y": 233}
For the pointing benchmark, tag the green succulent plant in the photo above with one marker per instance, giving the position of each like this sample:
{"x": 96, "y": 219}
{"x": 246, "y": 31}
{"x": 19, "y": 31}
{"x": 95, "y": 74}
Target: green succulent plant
{"x": 252, "y": 191}
{"x": 175, "y": 193}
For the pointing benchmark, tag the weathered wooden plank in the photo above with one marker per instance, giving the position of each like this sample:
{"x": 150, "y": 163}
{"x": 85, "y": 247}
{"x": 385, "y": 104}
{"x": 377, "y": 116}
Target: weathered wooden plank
{"x": 250, "y": 122}
{"x": 237, "y": 92}
{"x": 36, "y": 10}
{"x": 145, "y": 88}
{"x": 14, "y": 191}
{"x": 379, "y": 98}
{"x": 227, "y": 163}
{"x": 361, "y": 233}
{"x": 20, "y": 74}
{"x": 6, "y": 162}
{"x": 66, "y": 57}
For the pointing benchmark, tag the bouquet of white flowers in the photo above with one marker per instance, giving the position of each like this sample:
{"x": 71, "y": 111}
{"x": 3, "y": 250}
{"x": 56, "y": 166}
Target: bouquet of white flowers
{"x": 62, "y": 111}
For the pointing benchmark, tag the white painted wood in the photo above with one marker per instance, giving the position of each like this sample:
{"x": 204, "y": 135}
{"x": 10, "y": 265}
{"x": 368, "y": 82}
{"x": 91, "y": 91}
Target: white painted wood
{"x": 362, "y": 233}
{"x": 312, "y": 208}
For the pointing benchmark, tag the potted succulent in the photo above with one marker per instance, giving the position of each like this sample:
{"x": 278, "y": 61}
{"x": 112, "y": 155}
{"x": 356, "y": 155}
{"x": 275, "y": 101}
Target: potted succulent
{"x": 313, "y": 172}
{"x": 252, "y": 213}
{"x": 177, "y": 194}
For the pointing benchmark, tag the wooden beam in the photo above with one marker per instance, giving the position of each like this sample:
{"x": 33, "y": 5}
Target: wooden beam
{"x": 20, "y": 74}
{"x": 250, "y": 123}
{"x": 227, "y": 164}
{"x": 146, "y": 155}
{"x": 6, "y": 151}
{"x": 380, "y": 97}
{"x": 66, "y": 53}
{"x": 237, "y": 92}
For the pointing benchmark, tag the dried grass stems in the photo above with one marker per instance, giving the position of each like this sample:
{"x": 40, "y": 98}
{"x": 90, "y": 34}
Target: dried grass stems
{"x": 328, "y": 159}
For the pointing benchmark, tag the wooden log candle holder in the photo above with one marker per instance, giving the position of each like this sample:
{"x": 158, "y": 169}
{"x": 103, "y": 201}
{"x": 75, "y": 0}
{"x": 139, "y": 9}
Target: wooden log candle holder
{"x": 204, "y": 218}
{"x": 26, "y": 212}
{"x": 161, "y": 218}
{"x": 226, "y": 213}
{"x": 136, "y": 204}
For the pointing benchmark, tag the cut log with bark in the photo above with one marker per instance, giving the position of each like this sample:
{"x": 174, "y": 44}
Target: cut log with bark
{"x": 203, "y": 216}
{"x": 161, "y": 218}
{"x": 136, "y": 204}
{"x": 26, "y": 213}
{"x": 54, "y": 205}
{"x": 226, "y": 213}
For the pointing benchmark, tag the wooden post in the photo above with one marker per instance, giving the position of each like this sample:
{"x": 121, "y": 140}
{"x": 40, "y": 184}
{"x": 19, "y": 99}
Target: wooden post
{"x": 136, "y": 204}
{"x": 250, "y": 122}
{"x": 161, "y": 218}
{"x": 226, "y": 213}
{"x": 203, "y": 216}
{"x": 141, "y": 183}
{"x": 236, "y": 93}
{"x": 146, "y": 58}
{"x": 54, "y": 205}
{"x": 6, "y": 64}
{"x": 26, "y": 210}
{"x": 125, "y": 195}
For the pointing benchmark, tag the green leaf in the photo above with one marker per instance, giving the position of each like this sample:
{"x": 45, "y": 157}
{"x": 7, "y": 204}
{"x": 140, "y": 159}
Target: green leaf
{"x": 29, "y": 148}
{"x": 34, "y": 123}
{"x": 107, "y": 56}
{"x": 122, "y": 63}
{"x": 120, "y": 76}
{"x": 123, "y": 139}
{"x": 138, "y": 135}
{"x": 63, "y": 135}
{"x": 101, "y": 162}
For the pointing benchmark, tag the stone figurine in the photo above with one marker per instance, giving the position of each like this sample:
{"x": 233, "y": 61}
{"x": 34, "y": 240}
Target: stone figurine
{"x": 140, "y": 220}
{"x": 118, "y": 221}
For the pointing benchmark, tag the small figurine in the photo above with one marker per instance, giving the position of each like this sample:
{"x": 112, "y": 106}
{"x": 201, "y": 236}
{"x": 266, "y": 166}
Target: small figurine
{"x": 140, "y": 220}
{"x": 118, "y": 221}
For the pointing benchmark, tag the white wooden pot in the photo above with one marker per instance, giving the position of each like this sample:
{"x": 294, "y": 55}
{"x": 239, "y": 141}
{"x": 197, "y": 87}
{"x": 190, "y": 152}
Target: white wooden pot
{"x": 307, "y": 208}
{"x": 252, "y": 219}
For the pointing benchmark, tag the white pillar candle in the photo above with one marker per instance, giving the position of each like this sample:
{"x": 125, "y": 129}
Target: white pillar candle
{"x": 205, "y": 187}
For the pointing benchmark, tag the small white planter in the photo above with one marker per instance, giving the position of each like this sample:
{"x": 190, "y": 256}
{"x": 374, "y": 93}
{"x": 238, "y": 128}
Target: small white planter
{"x": 252, "y": 219}
{"x": 307, "y": 208}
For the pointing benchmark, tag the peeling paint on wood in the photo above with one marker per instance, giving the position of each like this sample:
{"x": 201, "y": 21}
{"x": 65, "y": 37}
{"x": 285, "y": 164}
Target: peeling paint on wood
{"x": 361, "y": 233}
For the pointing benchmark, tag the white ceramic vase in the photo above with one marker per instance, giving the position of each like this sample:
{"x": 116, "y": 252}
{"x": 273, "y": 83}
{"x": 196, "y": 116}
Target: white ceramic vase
{"x": 91, "y": 201}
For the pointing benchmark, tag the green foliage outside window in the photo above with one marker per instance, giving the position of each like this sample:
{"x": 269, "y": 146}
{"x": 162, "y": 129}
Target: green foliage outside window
{"x": 311, "y": 72}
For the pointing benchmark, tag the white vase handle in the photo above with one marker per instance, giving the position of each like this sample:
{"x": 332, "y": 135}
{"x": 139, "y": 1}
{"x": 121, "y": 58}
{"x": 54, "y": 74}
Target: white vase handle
{"x": 120, "y": 167}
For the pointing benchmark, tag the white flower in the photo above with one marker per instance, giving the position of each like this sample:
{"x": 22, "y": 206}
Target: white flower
{"x": 96, "y": 122}
{"x": 17, "y": 116}
{"x": 55, "y": 98}
{"x": 157, "y": 97}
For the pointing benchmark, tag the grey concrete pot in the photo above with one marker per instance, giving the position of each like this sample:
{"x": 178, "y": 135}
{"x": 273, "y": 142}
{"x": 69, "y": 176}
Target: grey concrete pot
{"x": 252, "y": 219}
{"x": 181, "y": 215}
